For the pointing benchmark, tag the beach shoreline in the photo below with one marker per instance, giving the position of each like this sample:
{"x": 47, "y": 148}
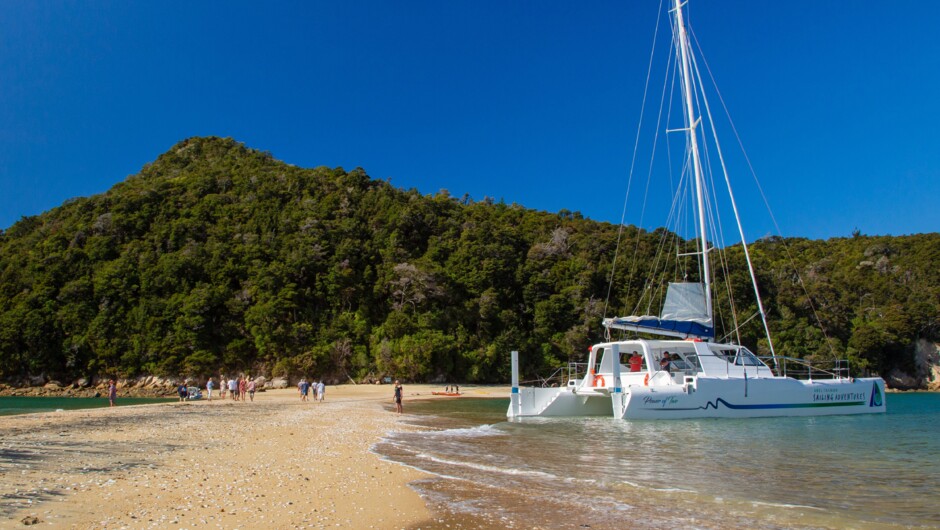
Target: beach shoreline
{"x": 277, "y": 462}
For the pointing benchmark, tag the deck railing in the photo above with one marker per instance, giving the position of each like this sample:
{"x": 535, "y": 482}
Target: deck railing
{"x": 784, "y": 366}
{"x": 811, "y": 369}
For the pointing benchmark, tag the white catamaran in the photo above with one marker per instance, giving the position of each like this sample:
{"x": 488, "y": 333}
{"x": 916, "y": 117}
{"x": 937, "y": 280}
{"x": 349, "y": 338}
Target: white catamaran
{"x": 688, "y": 374}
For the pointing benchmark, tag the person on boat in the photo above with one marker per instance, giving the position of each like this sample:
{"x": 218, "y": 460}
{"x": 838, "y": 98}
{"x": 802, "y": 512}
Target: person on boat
{"x": 399, "y": 392}
{"x": 636, "y": 362}
{"x": 677, "y": 362}
{"x": 456, "y": 389}
{"x": 665, "y": 362}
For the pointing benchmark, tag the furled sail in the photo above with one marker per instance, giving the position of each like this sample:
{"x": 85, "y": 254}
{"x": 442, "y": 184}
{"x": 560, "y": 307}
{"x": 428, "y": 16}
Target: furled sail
{"x": 684, "y": 315}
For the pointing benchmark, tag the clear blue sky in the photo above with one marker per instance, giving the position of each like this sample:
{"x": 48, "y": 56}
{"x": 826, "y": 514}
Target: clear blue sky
{"x": 531, "y": 102}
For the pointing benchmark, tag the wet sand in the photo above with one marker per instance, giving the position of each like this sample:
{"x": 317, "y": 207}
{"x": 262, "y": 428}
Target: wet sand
{"x": 275, "y": 462}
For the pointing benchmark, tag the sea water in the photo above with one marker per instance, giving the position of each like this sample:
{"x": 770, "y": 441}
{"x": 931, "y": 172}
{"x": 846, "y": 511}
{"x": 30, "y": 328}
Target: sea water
{"x": 862, "y": 471}
{"x": 10, "y": 405}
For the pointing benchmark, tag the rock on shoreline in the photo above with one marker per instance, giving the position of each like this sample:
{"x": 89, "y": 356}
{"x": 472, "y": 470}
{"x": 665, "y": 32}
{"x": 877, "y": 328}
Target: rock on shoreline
{"x": 144, "y": 387}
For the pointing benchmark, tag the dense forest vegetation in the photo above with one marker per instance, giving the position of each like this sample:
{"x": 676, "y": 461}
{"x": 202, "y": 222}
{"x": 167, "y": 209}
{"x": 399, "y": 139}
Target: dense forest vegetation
{"x": 217, "y": 256}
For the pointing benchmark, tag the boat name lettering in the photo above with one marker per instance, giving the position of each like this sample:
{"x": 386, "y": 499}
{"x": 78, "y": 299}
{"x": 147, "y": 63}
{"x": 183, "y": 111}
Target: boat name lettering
{"x": 662, "y": 402}
{"x": 832, "y": 394}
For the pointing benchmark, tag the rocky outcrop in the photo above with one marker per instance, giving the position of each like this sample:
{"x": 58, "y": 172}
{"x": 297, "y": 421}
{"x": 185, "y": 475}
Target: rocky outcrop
{"x": 143, "y": 386}
{"x": 278, "y": 382}
{"x": 898, "y": 380}
{"x": 926, "y": 369}
{"x": 927, "y": 363}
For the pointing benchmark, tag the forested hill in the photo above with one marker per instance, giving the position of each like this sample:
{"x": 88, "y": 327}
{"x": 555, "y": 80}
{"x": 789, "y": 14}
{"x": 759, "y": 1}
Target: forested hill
{"x": 219, "y": 257}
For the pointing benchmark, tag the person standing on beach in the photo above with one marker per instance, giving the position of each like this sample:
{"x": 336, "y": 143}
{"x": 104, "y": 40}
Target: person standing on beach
{"x": 182, "y": 391}
{"x": 112, "y": 391}
{"x": 321, "y": 390}
{"x": 222, "y": 385}
{"x": 251, "y": 389}
{"x": 242, "y": 387}
{"x": 303, "y": 387}
{"x": 209, "y": 386}
{"x": 399, "y": 393}
{"x": 233, "y": 388}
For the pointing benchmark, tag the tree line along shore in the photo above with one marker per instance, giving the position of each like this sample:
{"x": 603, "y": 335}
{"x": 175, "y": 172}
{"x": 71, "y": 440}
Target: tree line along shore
{"x": 217, "y": 257}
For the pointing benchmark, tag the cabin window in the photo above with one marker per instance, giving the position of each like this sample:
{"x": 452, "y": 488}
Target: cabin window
{"x": 597, "y": 360}
{"x": 625, "y": 364}
{"x": 726, "y": 355}
{"x": 684, "y": 362}
{"x": 746, "y": 358}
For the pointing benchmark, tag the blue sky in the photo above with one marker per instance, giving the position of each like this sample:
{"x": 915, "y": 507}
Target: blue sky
{"x": 534, "y": 103}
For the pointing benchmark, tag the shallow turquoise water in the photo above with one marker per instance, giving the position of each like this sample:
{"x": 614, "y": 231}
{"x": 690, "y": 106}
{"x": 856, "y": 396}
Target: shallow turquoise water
{"x": 10, "y": 405}
{"x": 836, "y": 471}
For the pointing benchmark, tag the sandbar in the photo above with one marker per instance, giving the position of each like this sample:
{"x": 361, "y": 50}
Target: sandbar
{"x": 276, "y": 462}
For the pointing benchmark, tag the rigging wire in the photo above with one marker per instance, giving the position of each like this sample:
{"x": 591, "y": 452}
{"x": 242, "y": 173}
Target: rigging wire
{"x": 731, "y": 196}
{"x": 636, "y": 144}
{"x": 716, "y": 226}
{"x": 649, "y": 177}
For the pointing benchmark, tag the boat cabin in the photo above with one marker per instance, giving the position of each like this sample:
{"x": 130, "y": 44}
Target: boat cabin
{"x": 686, "y": 359}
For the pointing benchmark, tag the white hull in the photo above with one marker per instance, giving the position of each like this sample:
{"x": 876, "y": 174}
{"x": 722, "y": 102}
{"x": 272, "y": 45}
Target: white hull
{"x": 560, "y": 402}
{"x": 754, "y": 398}
{"x": 740, "y": 392}
{"x": 712, "y": 398}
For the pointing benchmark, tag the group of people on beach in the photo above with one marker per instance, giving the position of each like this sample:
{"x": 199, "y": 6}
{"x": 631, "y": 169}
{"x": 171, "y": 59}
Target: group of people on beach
{"x": 317, "y": 388}
{"x": 239, "y": 388}
{"x": 244, "y": 386}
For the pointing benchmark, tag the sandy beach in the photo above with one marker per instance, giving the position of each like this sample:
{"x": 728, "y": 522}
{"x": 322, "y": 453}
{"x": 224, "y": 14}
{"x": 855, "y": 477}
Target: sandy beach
{"x": 276, "y": 462}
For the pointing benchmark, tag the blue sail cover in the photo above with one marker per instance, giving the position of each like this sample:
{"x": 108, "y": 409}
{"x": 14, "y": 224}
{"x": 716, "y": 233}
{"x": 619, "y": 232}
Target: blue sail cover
{"x": 651, "y": 324}
{"x": 684, "y": 315}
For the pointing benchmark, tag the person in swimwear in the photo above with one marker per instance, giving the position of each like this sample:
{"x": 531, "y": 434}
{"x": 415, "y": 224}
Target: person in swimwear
{"x": 399, "y": 393}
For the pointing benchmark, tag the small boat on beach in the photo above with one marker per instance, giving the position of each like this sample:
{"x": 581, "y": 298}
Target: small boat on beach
{"x": 449, "y": 394}
{"x": 670, "y": 365}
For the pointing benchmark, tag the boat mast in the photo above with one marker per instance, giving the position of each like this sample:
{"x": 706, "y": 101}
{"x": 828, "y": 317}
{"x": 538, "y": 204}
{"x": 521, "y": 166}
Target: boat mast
{"x": 696, "y": 161}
